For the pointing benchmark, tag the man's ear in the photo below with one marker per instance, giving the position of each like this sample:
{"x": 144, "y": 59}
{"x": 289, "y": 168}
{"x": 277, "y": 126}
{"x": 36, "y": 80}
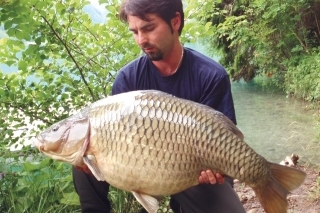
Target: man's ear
{"x": 176, "y": 22}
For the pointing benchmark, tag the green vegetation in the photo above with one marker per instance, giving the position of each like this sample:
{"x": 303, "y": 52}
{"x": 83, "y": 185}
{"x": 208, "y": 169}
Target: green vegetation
{"x": 37, "y": 187}
{"x": 280, "y": 39}
{"x": 64, "y": 61}
{"x": 59, "y": 53}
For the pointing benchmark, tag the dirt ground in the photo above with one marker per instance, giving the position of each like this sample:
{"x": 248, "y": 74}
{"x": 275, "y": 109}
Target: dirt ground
{"x": 305, "y": 199}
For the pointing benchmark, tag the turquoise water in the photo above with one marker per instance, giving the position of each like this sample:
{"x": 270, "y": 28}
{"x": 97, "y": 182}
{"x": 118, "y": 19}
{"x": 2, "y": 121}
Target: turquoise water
{"x": 274, "y": 125}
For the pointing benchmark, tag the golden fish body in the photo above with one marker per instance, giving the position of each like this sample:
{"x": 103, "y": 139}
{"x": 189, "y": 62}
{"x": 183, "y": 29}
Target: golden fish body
{"x": 154, "y": 144}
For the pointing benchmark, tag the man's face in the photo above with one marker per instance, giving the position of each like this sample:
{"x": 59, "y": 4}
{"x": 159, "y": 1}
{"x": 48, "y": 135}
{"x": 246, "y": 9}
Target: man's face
{"x": 154, "y": 37}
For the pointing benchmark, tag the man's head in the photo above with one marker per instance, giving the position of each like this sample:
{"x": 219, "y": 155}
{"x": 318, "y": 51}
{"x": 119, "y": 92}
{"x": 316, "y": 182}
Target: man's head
{"x": 165, "y": 9}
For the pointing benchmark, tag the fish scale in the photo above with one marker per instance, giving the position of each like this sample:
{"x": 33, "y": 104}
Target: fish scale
{"x": 154, "y": 144}
{"x": 129, "y": 140}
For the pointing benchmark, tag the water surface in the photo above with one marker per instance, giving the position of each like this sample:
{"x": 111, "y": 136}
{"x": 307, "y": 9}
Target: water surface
{"x": 274, "y": 125}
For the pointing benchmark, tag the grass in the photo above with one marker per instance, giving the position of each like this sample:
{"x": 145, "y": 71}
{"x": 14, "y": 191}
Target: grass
{"x": 36, "y": 187}
{"x": 122, "y": 201}
{"x": 45, "y": 186}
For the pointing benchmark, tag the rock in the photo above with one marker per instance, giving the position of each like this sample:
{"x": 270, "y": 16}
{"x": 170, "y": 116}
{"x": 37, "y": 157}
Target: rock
{"x": 290, "y": 160}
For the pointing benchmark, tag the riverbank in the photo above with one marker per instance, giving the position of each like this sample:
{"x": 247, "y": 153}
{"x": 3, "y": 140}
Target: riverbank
{"x": 305, "y": 199}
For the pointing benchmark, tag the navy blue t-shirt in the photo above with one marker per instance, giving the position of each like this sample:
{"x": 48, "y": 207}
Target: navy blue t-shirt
{"x": 199, "y": 79}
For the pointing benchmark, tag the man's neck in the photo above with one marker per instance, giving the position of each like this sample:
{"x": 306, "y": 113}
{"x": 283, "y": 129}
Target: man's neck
{"x": 170, "y": 63}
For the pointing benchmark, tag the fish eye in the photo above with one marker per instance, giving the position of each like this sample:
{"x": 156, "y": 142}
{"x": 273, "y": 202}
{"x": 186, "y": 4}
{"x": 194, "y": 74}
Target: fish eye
{"x": 56, "y": 128}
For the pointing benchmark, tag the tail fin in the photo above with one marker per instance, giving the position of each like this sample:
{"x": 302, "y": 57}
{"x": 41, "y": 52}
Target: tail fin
{"x": 273, "y": 194}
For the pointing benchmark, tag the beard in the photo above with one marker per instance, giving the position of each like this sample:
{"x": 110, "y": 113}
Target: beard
{"x": 153, "y": 56}
{"x": 157, "y": 56}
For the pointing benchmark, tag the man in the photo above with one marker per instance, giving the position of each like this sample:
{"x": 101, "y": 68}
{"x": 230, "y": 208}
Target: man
{"x": 168, "y": 66}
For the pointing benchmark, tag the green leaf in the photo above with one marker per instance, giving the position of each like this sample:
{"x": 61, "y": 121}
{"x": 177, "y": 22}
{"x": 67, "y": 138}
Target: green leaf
{"x": 45, "y": 163}
{"x": 11, "y": 32}
{"x": 70, "y": 198}
{"x": 20, "y": 34}
{"x": 207, "y": 26}
{"x": 60, "y": 8}
{"x": 7, "y": 25}
{"x": 29, "y": 166}
{"x": 22, "y": 65}
{"x": 20, "y": 188}
{"x": 9, "y": 63}
{"x": 43, "y": 56}
{"x": 4, "y": 17}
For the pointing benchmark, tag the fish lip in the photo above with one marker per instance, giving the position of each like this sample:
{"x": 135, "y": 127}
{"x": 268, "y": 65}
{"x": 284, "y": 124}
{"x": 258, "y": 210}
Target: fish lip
{"x": 37, "y": 142}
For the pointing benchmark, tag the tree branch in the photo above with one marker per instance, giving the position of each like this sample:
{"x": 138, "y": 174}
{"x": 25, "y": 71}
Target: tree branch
{"x": 301, "y": 42}
{"x": 71, "y": 56}
{"x": 315, "y": 17}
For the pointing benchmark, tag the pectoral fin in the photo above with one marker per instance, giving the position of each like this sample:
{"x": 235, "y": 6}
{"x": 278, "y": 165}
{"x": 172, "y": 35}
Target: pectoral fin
{"x": 150, "y": 203}
{"x": 91, "y": 162}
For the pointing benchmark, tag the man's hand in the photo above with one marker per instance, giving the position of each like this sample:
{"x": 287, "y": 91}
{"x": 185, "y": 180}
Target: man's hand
{"x": 208, "y": 177}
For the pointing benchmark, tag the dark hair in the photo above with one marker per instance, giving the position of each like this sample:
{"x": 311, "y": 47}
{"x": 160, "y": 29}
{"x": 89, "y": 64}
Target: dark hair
{"x": 165, "y": 9}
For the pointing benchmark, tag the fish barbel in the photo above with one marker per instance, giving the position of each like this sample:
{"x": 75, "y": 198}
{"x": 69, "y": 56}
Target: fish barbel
{"x": 154, "y": 144}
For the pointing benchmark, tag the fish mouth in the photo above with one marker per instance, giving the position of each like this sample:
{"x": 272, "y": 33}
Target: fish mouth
{"x": 37, "y": 143}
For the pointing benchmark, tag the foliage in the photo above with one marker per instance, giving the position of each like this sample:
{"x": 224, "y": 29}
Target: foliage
{"x": 29, "y": 187}
{"x": 196, "y": 11}
{"x": 59, "y": 54}
{"x": 122, "y": 201}
{"x": 165, "y": 205}
{"x": 63, "y": 61}
{"x": 303, "y": 76}
{"x": 256, "y": 37}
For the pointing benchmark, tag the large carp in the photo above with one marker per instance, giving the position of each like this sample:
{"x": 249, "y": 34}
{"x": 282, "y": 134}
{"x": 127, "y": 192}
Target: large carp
{"x": 153, "y": 144}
